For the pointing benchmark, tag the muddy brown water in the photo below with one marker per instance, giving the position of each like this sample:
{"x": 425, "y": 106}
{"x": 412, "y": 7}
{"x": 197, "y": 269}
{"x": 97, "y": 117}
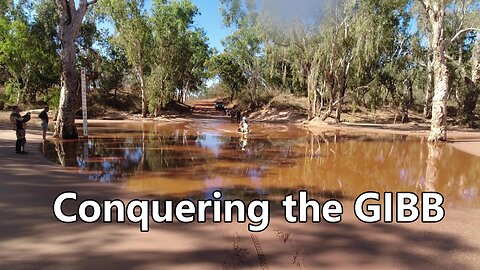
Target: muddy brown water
{"x": 195, "y": 158}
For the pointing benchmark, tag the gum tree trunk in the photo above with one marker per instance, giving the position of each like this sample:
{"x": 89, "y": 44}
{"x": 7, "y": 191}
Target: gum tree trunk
{"x": 438, "y": 130}
{"x": 141, "y": 78}
{"x": 143, "y": 89}
{"x": 70, "y": 22}
{"x": 406, "y": 100}
{"x": 65, "y": 127}
{"x": 427, "y": 109}
{"x": 476, "y": 62}
{"x": 312, "y": 82}
{"x": 435, "y": 13}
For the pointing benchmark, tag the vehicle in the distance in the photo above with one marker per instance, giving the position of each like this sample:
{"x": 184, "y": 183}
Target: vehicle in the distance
{"x": 219, "y": 105}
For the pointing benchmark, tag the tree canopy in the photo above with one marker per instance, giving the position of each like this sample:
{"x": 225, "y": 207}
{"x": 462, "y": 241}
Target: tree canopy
{"x": 403, "y": 55}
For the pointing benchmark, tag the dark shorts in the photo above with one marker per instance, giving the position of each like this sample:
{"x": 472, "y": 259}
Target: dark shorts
{"x": 21, "y": 134}
{"x": 44, "y": 126}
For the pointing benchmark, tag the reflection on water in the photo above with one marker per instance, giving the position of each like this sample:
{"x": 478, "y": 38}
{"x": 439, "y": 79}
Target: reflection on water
{"x": 196, "y": 158}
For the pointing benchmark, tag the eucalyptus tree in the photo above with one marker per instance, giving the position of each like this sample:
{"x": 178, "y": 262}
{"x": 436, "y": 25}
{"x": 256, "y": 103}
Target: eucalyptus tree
{"x": 179, "y": 52}
{"x": 244, "y": 48}
{"x": 28, "y": 51}
{"x": 18, "y": 55}
{"x": 114, "y": 70}
{"x": 294, "y": 45}
{"x": 133, "y": 34}
{"x": 425, "y": 59}
{"x": 323, "y": 48}
{"x": 71, "y": 16}
{"x": 462, "y": 20}
{"x": 337, "y": 59}
{"x": 194, "y": 73}
{"x": 229, "y": 72}
{"x": 381, "y": 53}
{"x": 89, "y": 55}
{"x": 476, "y": 62}
{"x": 435, "y": 12}
{"x": 46, "y": 36}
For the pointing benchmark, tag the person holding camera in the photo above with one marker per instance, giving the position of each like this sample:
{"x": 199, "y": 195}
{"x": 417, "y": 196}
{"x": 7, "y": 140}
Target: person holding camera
{"x": 19, "y": 125}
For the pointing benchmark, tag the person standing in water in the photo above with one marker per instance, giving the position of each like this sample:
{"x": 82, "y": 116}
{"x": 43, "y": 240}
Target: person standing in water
{"x": 44, "y": 117}
{"x": 19, "y": 124}
{"x": 243, "y": 128}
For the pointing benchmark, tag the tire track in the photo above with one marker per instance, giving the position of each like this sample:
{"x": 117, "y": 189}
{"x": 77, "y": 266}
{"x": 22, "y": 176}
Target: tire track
{"x": 241, "y": 254}
{"x": 261, "y": 255}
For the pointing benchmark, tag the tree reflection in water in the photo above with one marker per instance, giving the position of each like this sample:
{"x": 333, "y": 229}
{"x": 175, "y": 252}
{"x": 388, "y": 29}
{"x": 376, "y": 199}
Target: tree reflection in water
{"x": 179, "y": 162}
{"x": 431, "y": 174}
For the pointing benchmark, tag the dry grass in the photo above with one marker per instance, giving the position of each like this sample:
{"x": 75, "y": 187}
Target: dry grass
{"x": 289, "y": 102}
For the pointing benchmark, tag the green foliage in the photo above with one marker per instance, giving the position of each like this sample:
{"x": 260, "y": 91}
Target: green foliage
{"x": 215, "y": 91}
{"x": 133, "y": 32}
{"x": 362, "y": 52}
{"x": 12, "y": 88}
{"x": 230, "y": 73}
{"x": 53, "y": 97}
{"x": 113, "y": 70}
{"x": 17, "y": 53}
{"x": 179, "y": 51}
{"x": 159, "y": 89}
{"x": 28, "y": 49}
{"x": 133, "y": 35}
{"x": 165, "y": 51}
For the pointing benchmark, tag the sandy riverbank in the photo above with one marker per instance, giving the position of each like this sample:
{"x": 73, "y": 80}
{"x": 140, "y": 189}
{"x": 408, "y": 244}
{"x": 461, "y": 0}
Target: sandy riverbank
{"x": 467, "y": 140}
{"x": 31, "y": 238}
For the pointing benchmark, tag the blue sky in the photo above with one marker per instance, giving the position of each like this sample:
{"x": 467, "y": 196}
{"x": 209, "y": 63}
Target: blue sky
{"x": 211, "y": 20}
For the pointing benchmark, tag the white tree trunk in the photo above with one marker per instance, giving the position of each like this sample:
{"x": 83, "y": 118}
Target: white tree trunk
{"x": 143, "y": 89}
{"x": 312, "y": 81}
{"x": 70, "y": 22}
{"x": 65, "y": 127}
{"x": 141, "y": 79}
{"x": 436, "y": 15}
{"x": 427, "y": 109}
{"x": 476, "y": 61}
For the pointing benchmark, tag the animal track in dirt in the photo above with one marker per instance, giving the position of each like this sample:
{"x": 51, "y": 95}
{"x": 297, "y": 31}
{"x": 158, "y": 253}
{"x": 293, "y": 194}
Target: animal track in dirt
{"x": 282, "y": 235}
{"x": 287, "y": 238}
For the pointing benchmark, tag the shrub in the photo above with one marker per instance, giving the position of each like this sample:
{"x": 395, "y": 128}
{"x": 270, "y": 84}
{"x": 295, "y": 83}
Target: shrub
{"x": 53, "y": 97}
{"x": 11, "y": 91}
